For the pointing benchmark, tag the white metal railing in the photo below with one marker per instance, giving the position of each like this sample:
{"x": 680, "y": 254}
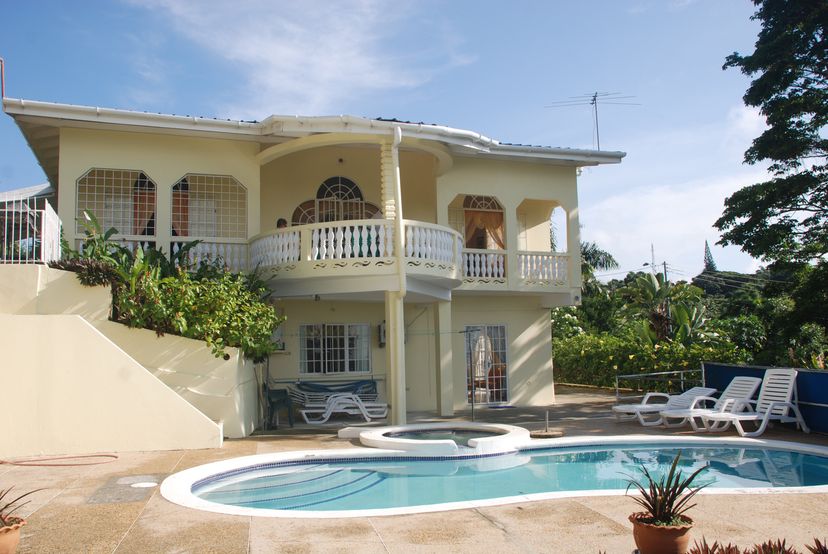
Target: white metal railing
{"x": 484, "y": 264}
{"x": 29, "y": 231}
{"x": 543, "y": 267}
{"x": 430, "y": 242}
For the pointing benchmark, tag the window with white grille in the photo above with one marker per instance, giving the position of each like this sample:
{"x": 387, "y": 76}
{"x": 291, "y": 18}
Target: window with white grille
{"x": 337, "y": 199}
{"x": 486, "y": 369}
{"x": 124, "y": 199}
{"x": 209, "y": 206}
{"x": 330, "y": 348}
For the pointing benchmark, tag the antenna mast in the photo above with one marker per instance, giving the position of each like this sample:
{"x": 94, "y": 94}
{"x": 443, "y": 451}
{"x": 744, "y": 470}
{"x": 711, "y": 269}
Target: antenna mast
{"x": 591, "y": 99}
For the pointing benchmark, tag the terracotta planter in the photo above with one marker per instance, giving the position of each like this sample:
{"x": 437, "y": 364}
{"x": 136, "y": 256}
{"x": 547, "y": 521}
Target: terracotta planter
{"x": 660, "y": 539}
{"x": 10, "y": 537}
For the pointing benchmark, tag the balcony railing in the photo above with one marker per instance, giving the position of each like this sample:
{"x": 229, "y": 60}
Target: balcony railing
{"x": 543, "y": 268}
{"x": 29, "y": 231}
{"x": 484, "y": 265}
{"x": 490, "y": 269}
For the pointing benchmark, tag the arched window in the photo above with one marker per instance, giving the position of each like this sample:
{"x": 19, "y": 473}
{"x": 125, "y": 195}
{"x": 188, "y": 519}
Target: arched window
{"x": 209, "y": 206}
{"x": 483, "y": 223}
{"x": 123, "y": 199}
{"x": 337, "y": 199}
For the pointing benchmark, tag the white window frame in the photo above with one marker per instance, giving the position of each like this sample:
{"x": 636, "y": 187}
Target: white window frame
{"x": 334, "y": 354}
{"x": 483, "y": 392}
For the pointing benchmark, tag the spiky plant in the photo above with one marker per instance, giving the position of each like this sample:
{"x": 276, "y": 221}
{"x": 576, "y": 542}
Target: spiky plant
{"x": 819, "y": 547}
{"x": 666, "y": 499}
{"x": 715, "y": 548}
{"x": 773, "y": 547}
{"x": 9, "y": 507}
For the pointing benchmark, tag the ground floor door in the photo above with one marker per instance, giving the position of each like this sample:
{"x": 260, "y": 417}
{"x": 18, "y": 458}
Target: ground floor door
{"x": 486, "y": 369}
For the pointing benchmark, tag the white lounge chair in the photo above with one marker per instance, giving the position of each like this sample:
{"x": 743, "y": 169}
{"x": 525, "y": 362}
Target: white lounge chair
{"x": 774, "y": 403}
{"x": 739, "y": 389}
{"x": 343, "y": 403}
{"x": 646, "y": 408}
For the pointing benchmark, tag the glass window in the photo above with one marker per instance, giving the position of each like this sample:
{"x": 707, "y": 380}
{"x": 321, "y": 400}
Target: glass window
{"x": 334, "y": 348}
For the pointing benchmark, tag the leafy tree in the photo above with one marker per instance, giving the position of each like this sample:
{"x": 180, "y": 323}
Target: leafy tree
{"x": 787, "y": 216}
{"x": 709, "y": 263}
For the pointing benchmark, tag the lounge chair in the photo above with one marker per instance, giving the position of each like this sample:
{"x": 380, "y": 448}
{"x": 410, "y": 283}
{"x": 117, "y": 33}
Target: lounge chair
{"x": 738, "y": 390}
{"x": 774, "y": 403}
{"x": 647, "y": 408}
{"x": 343, "y": 403}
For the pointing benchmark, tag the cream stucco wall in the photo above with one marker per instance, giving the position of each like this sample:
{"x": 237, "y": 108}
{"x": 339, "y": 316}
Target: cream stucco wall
{"x": 225, "y": 391}
{"x": 527, "y": 331}
{"x": 528, "y": 336}
{"x": 71, "y": 390}
{"x": 290, "y": 180}
{"x": 163, "y": 158}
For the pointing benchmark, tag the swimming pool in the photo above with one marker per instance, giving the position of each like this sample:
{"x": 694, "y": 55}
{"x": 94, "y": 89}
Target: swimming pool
{"x": 370, "y": 482}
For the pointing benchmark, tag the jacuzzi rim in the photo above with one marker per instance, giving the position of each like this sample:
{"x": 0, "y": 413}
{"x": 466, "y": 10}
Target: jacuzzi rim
{"x": 177, "y": 488}
{"x": 508, "y": 438}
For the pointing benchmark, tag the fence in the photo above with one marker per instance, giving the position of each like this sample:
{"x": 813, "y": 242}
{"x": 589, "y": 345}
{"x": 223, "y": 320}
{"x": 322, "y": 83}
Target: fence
{"x": 29, "y": 231}
{"x": 662, "y": 381}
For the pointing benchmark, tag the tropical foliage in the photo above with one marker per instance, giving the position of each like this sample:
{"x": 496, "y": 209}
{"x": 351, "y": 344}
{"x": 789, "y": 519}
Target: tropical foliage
{"x": 167, "y": 295}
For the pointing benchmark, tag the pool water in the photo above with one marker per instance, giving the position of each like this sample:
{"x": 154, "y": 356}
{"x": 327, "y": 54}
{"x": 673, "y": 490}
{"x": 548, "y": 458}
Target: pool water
{"x": 460, "y": 436}
{"x": 393, "y": 483}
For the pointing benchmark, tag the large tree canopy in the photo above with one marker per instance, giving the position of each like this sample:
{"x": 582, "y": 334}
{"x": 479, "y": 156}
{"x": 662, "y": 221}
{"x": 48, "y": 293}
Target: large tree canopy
{"x": 785, "y": 218}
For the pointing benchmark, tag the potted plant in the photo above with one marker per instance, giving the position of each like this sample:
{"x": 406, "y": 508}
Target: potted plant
{"x": 9, "y": 523}
{"x": 663, "y": 528}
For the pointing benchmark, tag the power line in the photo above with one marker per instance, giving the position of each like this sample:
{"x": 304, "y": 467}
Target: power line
{"x": 745, "y": 279}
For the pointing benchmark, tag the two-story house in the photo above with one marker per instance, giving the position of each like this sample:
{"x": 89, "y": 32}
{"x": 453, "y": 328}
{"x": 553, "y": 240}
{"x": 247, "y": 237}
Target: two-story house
{"x": 413, "y": 254}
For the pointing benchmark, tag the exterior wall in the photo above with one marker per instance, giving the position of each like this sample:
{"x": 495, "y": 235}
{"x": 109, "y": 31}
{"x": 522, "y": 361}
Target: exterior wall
{"x": 289, "y": 181}
{"x": 418, "y": 186}
{"x": 163, "y": 158}
{"x": 528, "y": 335}
{"x": 76, "y": 392}
{"x": 284, "y": 366}
{"x": 224, "y": 390}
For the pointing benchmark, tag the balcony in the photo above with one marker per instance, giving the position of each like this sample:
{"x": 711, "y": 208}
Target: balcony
{"x": 489, "y": 270}
{"x": 358, "y": 257}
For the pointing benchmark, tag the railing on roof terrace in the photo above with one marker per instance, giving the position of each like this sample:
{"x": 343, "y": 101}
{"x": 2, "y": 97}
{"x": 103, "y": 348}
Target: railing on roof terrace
{"x": 29, "y": 231}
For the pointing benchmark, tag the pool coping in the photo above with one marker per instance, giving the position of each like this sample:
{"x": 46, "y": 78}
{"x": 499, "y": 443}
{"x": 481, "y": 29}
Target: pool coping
{"x": 177, "y": 488}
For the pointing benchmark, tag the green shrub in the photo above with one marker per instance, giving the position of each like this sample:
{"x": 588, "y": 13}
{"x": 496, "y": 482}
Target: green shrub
{"x": 596, "y": 359}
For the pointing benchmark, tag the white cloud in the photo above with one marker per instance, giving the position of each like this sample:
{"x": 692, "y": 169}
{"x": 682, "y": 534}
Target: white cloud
{"x": 676, "y": 219}
{"x": 305, "y": 57}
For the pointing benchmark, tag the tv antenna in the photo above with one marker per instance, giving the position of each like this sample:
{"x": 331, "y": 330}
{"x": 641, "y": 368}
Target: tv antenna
{"x": 592, "y": 99}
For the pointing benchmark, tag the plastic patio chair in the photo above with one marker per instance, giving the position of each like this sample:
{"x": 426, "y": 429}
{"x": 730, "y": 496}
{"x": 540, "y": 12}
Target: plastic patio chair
{"x": 738, "y": 390}
{"x": 646, "y": 408}
{"x": 344, "y": 403}
{"x": 774, "y": 403}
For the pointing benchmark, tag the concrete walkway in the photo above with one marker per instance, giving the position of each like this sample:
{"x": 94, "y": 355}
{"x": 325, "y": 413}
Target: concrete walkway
{"x": 94, "y": 508}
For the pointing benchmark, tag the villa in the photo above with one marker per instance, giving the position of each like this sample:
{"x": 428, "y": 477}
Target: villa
{"x": 415, "y": 255}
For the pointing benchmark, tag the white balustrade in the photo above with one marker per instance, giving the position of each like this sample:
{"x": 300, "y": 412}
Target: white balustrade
{"x": 430, "y": 242}
{"x": 484, "y": 264}
{"x": 231, "y": 254}
{"x": 544, "y": 267}
{"x": 350, "y": 239}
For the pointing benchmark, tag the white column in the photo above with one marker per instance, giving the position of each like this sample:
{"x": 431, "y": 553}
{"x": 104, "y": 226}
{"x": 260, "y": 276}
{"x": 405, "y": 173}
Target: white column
{"x": 395, "y": 355}
{"x": 445, "y": 365}
{"x": 573, "y": 249}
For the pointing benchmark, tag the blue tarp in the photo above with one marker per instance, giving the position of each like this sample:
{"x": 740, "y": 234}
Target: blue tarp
{"x": 811, "y": 389}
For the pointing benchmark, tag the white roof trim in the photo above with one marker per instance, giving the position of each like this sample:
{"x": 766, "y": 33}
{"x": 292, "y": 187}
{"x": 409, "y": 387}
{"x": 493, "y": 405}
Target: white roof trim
{"x": 462, "y": 141}
{"x": 44, "y": 189}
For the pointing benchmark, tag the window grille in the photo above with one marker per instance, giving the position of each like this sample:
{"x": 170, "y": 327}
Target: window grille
{"x": 488, "y": 203}
{"x": 333, "y": 348}
{"x": 486, "y": 374}
{"x": 123, "y": 199}
{"x": 209, "y": 206}
{"x": 337, "y": 199}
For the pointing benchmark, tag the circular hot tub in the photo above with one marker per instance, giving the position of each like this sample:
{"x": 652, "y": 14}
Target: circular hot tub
{"x": 443, "y": 439}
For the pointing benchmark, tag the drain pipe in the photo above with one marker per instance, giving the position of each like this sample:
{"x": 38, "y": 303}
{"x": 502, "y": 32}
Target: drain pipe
{"x": 2, "y": 78}
{"x": 399, "y": 241}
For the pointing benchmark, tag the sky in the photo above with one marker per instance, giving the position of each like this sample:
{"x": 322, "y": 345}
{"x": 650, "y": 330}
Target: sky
{"x": 498, "y": 68}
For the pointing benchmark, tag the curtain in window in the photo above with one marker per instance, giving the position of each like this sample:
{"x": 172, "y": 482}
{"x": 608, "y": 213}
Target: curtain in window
{"x": 491, "y": 222}
{"x": 181, "y": 212}
{"x": 143, "y": 212}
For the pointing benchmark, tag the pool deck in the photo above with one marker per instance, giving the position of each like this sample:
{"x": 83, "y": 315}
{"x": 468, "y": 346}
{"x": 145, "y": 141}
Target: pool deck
{"x": 93, "y": 508}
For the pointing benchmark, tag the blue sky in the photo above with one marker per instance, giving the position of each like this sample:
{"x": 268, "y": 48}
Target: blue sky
{"x": 484, "y": 65}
